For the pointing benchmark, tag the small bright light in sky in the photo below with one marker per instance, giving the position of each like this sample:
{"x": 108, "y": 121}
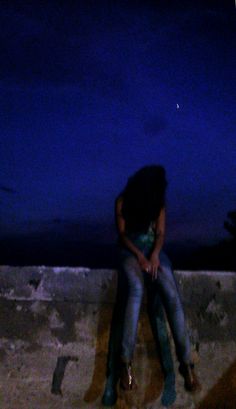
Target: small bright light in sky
{"x": 177, "y": 105}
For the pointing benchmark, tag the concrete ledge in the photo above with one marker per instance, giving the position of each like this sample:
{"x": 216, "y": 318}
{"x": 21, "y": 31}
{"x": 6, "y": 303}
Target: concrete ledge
{"x": 209, "y": 297}
{"x": 98, "y": 285}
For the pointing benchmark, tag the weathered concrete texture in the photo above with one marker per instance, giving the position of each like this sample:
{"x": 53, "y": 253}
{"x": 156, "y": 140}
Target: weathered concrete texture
{"x": 58, "y": 283}
{"x": 47, "y": 313}
{"x": 209, "y": 298}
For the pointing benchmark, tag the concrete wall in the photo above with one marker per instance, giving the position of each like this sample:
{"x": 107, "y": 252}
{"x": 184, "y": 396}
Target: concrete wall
{"x": 209, "y": 297}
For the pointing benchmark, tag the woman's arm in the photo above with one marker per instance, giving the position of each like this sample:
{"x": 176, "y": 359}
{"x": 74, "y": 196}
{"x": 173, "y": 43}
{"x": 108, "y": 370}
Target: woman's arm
{"x": 159, "y": 232}
{"x": 159, "y": 240}
{"x": 124, "y": 240}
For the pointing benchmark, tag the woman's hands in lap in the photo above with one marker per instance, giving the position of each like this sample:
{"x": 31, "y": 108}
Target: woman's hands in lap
{"x": 144, "y": 263}
{"x": 150, "y": 266}
{"x": 155, "y": 265}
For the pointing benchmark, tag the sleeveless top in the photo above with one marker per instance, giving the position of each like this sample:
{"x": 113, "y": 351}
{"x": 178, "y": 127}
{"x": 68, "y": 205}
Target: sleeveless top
{"x": 141, "y": 239}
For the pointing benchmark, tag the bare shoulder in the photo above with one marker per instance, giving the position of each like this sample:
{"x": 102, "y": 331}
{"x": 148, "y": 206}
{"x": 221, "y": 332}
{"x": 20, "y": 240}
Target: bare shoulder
{"x": 160, "y": 222}
{"x": 162, "y": 212}
{"x": 162, "y": 215}
{"x": 120, "y": 221}
{"x": 119, "y": 203}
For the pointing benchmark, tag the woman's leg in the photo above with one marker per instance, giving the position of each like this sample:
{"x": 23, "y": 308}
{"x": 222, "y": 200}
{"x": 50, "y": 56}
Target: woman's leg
{"x": 116, "y": 330}
{"x": 125, "y": 315}
{"x": 169, "y": 292}
{"x": 173, "y": 305}
{"x": 114, "y": 346}
{"x": 160, "y": 333}
{"x": 135, "y": 283}
{"x": 158, "y": 325}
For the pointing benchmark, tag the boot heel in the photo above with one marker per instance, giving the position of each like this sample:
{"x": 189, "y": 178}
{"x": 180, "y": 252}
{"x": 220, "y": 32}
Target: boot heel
{"x": 191, "y": 382}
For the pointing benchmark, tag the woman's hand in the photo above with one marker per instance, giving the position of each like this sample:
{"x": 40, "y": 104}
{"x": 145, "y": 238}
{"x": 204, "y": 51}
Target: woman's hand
{"x": 154, "y": 265}
{"x": 144, "y": 263}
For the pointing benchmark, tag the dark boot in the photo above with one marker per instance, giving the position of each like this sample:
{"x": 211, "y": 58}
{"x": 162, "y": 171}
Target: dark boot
{"x": 109, "y": 397}
{"x": 169, "y": 393}
{"x": 191, "y": 382}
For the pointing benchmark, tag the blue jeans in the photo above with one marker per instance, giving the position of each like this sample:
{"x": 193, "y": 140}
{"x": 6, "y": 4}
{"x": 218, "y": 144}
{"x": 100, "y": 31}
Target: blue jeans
{"x": 162, "y": 291}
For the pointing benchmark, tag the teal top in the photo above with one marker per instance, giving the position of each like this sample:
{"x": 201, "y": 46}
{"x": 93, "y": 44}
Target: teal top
{"x": 142, "y": 240}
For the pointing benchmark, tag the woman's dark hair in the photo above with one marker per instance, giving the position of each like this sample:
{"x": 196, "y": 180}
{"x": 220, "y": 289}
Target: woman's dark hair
{"x": 144, "y": 197}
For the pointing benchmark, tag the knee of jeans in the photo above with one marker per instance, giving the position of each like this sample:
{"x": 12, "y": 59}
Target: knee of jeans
{"x": 166, "y": 271}
{"x": 174, "y": 302}
{"x": 136, "y": 289}
{"x": 165, "y": 261}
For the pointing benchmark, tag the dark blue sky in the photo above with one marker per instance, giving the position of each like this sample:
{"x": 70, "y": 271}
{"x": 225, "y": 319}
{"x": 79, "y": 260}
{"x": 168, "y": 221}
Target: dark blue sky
{"x": 91, "y": 92}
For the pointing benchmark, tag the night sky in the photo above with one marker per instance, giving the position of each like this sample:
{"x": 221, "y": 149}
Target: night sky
{"x": 90, "y": 91}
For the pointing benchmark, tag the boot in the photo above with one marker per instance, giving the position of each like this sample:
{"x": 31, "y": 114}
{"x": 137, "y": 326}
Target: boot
{"x": 191, "y": 382}
{"x": 168, "y": 396}
{"x": 127, "y": 381}
{"x": 109, "y": 397}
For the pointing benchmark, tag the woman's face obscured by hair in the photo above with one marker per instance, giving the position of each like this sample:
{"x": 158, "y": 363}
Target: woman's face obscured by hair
{"x": 144, "y": 196}
{"x": 151, "y": 177}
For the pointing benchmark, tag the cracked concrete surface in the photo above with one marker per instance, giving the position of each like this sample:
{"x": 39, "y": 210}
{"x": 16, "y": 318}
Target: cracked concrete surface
{"x": 48, "y": 313}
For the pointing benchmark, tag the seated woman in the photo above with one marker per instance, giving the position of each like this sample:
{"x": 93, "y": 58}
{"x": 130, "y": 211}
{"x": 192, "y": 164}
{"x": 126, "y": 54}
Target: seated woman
{"x": 140, "y": 219}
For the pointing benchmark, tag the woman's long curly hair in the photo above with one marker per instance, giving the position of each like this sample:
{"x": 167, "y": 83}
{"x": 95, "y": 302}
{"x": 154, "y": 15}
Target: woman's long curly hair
{"x": 144, "y": 197}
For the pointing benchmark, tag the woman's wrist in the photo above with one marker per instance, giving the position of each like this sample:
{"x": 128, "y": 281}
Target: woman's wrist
{"x": 127, "y": 243}
{"x": 139, "y": 255}
{"x": 155, "y": 253}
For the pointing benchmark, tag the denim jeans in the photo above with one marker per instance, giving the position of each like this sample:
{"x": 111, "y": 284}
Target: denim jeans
{"x": 161, "y": 292}
{"x": 163, "y": 289}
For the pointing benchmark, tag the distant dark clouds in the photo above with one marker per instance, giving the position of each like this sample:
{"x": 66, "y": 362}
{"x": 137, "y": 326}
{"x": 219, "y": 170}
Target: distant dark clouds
{"x": 7, "y": 189}
{"x": 155, "y": 125}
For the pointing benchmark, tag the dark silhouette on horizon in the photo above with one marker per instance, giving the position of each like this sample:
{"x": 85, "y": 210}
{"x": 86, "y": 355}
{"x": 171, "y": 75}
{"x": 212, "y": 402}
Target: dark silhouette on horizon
{"x": 78, "y": 244}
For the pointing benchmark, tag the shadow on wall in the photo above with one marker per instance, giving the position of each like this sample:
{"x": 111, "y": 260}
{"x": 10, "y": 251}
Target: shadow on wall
{"x": 223, "y": 393}
{"x": 63, "y": 321}
{"x": 151, "y": 376}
